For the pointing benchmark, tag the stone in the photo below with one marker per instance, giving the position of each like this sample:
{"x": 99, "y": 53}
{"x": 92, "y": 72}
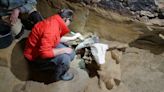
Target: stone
{"x": 160, "y": 3}
{"x": 162, "y": 36}
{"x": 144, "y": 19}
{"x": 138, "y": 5}
{"x": 158, "y": 22}
{"x": 110, "y": 72}
{"x": 115, "y": 5}
{"x": 147, "y": 13}
{"x": 116, "y": 55}
{"x": 161, "y": 13}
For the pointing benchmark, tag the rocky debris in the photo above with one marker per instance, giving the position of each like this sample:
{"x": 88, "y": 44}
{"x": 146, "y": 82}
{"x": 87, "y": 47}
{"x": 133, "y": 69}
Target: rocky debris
{"x": 147, "y": 13}
{"x": 161, "y": 13}
{"x": 162, "y": 36}
{"x": 110, "y": 73}
{"x": 139, "y": 5}
{"x": 161, "y": 9}
{"x": 157, "y": 22}
{"x": 85, "y": 1}
{"x": 115, "y": 5}
{"x": 139, "y": 9}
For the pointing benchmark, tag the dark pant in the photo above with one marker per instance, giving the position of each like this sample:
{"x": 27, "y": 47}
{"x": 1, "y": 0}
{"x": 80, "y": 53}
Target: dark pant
{"x": 63, "y": 58}
{"x": 59, "y": 64}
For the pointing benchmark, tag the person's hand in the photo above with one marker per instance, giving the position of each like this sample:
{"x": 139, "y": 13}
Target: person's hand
{"x": 14, "y": 15}
{"x": 67, "y": 50}
{"x": 78, "y": 35}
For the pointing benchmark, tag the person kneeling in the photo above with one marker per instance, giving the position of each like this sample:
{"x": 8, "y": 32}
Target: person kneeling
{"x": 44, "y": 44}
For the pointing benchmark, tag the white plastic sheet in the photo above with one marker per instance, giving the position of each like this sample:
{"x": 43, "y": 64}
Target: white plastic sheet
{"x": 98, "y": 50}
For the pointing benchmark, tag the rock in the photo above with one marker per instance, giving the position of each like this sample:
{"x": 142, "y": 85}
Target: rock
{"x": 160, "y": 3}
{"x": 162, "y": 36}
{"x": 147, "y": 13}
{"x": 150, "y": 41}
{"x": 75, "y": 1}
{"x": 110, "y": 72}
{"x": 107, "y": 27}
{"x": 91, "y": 2}
{"x": 115, "y": 5}
{"x": 144, "y": 19}
{"x": 146, "y": 5}
{"x": 158, "y": 22}
{"x": 161, "y": 13}
{"x": 96, "y": 1}
{"x": 116, "y": 55}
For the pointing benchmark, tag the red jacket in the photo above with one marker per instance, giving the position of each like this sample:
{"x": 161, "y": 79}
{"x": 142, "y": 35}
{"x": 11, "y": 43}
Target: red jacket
{"x": 44, "y": 37}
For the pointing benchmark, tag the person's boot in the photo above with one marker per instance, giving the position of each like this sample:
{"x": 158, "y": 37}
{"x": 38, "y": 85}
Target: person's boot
{"x": 66, "y": 73}
{"x": 67, "y": 76}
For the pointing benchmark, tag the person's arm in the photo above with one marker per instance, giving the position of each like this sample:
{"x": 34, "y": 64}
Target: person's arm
{"x": 26, "y": 8}
{"x": 59, "y": 51}
{"x": 14, "y": 15}
{"x": 66, "y": 38}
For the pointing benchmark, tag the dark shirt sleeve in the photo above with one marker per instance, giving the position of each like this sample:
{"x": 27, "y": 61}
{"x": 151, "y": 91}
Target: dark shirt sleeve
{"x": 28, "y": 6}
